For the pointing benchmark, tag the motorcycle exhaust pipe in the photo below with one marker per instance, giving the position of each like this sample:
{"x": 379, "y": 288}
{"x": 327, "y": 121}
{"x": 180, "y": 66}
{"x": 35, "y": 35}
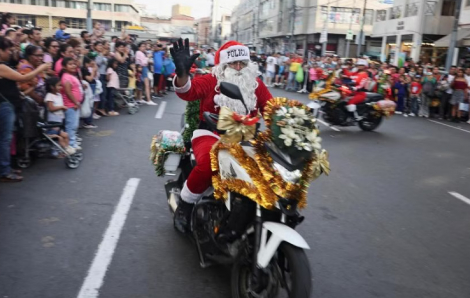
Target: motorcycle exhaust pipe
{"x": 173, "y": 201}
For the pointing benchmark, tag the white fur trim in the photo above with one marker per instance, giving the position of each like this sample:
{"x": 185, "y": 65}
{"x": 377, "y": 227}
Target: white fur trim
{"x": 351, "y": 108}
{"x": 183, "y": 89}
{"x": 203, "y": 133}
{"x": 188, "y": 196}
{"x": 234, "y": 53}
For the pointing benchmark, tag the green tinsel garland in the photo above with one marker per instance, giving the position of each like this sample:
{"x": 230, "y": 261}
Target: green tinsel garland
{"x": 191, "y": 118}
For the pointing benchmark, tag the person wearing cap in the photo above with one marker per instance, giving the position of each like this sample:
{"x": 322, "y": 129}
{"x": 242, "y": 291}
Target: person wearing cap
{"x": 232, "y": 65}
{"x": 60, "y": 33}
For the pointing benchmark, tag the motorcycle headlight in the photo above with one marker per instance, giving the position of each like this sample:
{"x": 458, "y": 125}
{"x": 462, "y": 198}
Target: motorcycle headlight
{"x": 288, "y": 176}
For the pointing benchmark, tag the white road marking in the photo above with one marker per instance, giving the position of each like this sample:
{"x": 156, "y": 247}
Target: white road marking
{"x": 326, "y": 124}
{"x": 161, "y": 110}
{"x": 458, "y": 128}
{"x": 460, "y": 197}
{"x": 94, "y": 280}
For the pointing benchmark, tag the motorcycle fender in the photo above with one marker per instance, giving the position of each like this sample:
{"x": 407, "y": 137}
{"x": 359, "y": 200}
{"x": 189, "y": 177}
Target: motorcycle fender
{"x": 315, "y": 107}
{"x": 279, "y": 233}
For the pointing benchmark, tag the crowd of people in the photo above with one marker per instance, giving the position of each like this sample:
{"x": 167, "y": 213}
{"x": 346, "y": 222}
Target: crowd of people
{"x": 60, "y": 72}
{"x": 419, "y": 89}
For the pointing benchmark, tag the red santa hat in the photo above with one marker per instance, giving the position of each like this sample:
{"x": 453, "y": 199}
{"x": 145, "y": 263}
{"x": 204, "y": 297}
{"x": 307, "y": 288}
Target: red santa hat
{"x": 232, "y": 51}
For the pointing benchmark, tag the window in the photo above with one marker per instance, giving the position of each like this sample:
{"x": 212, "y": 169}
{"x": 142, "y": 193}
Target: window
{"x": 381, "y": 15}
{"x": 448, "y": 8}
{"x": 120, "y": 25}
{"x": 395, "y": 12}
{"x": 106, "y": 25}
{"x": 40, "y": 2}
{"x": 467, "y": 3}
{"x": 369, "y": 17}
{"x": 411, "y": 10}
{"x": 58, "y": 3}
{"x": 76, "y": 5}
{"x": 341, "y": 15}
{"x": 16, "y": 1}
{"x": 102, "y": 6}
{"x": 76, "y": 23}
{"x": 23, "y": 20}
{"x": 124, "y": 8}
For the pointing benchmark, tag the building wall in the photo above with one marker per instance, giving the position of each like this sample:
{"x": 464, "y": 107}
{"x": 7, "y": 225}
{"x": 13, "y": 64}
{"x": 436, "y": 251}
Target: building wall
{"x": 203, "y": 31}
{"x": 48, "y": 17}
{"x": 180, "y": 10}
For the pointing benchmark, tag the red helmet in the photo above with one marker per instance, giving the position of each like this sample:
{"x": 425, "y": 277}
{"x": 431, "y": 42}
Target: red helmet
{"x": 345, "y": 90}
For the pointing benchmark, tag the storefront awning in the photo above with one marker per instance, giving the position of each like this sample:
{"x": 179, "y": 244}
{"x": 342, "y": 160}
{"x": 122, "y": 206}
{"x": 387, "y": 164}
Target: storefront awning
{"x": 445, "y": 41}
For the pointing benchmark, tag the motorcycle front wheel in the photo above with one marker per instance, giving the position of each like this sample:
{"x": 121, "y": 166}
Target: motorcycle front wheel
{"x": 287, "y": 276}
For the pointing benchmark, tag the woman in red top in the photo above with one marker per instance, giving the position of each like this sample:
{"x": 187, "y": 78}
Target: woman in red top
{"x": 460, "y": 87}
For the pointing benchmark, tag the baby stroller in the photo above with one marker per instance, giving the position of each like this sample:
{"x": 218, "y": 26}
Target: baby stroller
{"x": 33, "y": 141}
{"x": 125, "y": 98}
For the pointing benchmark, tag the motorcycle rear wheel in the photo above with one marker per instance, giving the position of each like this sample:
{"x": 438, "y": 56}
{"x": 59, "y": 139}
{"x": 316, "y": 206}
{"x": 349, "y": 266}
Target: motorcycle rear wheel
{"x": 295, "y": 264}
{"x": 370, "y": 123}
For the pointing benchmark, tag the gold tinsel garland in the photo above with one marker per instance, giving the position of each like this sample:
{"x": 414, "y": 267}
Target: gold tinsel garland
{"x": 329, "y": 82}
{"x": 267, "y": 182}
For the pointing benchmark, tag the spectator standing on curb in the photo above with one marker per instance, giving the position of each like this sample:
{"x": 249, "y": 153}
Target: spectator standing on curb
{"x": 157, "y": 69}
{"x": 429, "y": 85}
{"x": 271, "y": 63}
{"x": 459, "y": 94}
{"x": 414, "y": 98}
{"x": 10, "y": 100}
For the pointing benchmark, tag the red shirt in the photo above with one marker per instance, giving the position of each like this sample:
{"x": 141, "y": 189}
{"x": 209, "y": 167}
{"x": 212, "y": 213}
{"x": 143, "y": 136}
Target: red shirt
{"x": 416, "y": 88}
{"x": 203, "y": 88}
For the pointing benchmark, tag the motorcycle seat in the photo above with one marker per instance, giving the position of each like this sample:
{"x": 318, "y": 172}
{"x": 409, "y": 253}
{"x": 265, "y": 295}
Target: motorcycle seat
{"x": 373, "y": 97}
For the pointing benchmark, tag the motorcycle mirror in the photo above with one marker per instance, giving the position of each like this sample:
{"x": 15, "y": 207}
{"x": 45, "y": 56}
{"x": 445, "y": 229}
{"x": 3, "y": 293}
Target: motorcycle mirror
{"x": 232, "y": 91}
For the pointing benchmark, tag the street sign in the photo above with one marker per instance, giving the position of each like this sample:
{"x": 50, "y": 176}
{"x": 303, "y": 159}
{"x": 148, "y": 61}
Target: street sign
{"x": 349, "y": 35}
{"x": 323, "y": 36}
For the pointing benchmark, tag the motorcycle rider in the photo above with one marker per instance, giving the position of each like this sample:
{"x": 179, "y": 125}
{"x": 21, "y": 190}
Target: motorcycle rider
{"x": 232, "y": 64}
{"x": 361, "y": 80}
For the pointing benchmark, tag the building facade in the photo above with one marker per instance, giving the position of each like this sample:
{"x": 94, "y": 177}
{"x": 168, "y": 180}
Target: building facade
{"x": 411, "y": 28}
{"x": 113, "y": 14}
{"x": 203, "y": 26}
{"x": 171, "y": 29}
{"x": 296, "y": 25}
{"x": 220, "y": 16}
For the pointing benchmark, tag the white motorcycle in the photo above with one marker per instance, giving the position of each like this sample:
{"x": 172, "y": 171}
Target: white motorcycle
{"x": 247, "y": 228}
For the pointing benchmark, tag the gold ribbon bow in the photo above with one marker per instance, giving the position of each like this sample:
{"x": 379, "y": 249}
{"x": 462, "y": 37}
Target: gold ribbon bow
{"x": 237, "y": 128}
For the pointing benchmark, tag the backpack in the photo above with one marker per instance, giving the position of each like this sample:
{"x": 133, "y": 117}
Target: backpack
{"x": 429, "y": 88}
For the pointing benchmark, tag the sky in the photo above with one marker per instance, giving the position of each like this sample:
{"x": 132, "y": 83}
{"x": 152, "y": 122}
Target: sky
{"x": 199, "y": 8}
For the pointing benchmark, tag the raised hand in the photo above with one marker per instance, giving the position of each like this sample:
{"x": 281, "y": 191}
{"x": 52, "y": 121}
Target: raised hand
{"x": 182, "y": 58}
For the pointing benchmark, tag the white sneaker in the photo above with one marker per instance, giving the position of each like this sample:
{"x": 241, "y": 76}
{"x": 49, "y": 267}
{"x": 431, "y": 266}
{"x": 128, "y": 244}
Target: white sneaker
{"x": 70, "y": 150}
{"x": 412, "y": 115}
{"x": 96, "y": 116}
{"x": 78, "y": 139}
{"x": 150, "y": 103}
{"x": 468, "y": 121}
{"x": 405, "y": 115}
{"x": 78, "y": 148}
{"x": 398, "y": 112}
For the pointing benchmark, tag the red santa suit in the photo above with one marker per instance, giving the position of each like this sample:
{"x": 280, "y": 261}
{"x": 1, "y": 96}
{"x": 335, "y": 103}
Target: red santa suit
{"x": 204, "y": 89}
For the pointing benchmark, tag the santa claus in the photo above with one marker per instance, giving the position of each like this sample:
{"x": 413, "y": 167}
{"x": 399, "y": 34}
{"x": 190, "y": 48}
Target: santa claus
{"x": 233, "y": 65}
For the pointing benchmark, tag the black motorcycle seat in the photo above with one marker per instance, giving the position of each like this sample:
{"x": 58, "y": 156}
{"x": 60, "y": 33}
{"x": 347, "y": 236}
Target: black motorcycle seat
{"x": 373, "y": 97}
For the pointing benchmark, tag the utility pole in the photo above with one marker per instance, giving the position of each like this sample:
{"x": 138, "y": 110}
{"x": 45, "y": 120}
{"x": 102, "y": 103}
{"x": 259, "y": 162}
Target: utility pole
{"x": 89, "y": 25}
{"x": 324, "y": 33}
{"x": 293, "y": 28}
{"x": 453, "y": 37}
{"x": 361, "y": 34}
{"x": 348, "y": 40}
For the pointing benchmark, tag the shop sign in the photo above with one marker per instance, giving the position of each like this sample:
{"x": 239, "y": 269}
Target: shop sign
{"x": 401, "y": 25}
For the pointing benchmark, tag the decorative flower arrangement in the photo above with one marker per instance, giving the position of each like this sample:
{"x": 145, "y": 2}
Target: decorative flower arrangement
{"x": 163, "y": 143}
{"x": 294, "y": 128}
{"x": 298, "y": 129}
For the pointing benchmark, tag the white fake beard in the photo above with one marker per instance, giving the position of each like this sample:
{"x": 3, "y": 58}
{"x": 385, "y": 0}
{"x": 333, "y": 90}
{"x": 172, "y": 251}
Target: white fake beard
{"x": 245, "y": 79}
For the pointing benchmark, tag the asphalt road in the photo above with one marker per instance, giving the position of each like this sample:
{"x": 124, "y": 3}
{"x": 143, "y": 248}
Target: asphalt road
{"x": 383, "y": 224}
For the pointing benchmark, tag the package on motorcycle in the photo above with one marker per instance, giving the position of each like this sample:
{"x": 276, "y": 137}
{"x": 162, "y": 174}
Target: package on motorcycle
{"x": 233, "y": 66}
